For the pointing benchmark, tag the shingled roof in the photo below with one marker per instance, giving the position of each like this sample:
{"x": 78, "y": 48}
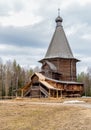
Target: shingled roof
{"x": 59, "y": 46}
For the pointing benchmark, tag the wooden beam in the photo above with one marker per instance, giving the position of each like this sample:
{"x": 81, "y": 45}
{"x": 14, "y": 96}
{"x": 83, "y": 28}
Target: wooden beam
{"x": 16, "y": 94}
{"x": 39, "y": 90}
{"x": 22, "y": 93}
{"x": 49, "y": 93}
{"x": 53, "y": 93}
{"x": 57, "y": 93}
{"x": 61, "y": 93}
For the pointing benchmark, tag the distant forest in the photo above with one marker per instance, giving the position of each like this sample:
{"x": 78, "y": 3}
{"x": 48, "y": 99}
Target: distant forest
{"x": 13, "y": 77}
{"x": 85, "y": 77}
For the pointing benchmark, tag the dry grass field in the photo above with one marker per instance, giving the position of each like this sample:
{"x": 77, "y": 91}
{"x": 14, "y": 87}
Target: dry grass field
{"x": 24, "y": 115}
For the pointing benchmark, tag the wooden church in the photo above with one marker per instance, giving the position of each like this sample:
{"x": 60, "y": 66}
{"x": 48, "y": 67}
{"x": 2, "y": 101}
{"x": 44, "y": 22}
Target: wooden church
{"x": 58, "y": 72}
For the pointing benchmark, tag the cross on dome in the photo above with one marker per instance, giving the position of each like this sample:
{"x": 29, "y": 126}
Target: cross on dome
{"x": 58, "y": 11}
{"x": 59, "y": 19}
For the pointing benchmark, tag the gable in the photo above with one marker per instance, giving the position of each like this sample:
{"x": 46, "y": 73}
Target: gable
{"x": 49, "y": 66}
{"x": 35, "y": 79}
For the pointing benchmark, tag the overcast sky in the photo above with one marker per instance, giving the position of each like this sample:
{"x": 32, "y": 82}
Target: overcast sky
{"x": 27, "y": 26}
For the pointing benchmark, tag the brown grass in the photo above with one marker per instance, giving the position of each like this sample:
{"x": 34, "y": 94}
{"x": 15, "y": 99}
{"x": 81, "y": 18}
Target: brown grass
{"x": 21, "y": 115}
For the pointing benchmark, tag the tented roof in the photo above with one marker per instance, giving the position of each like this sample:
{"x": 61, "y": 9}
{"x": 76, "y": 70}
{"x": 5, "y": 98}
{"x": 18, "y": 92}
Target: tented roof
{"x": 59, "y": 46}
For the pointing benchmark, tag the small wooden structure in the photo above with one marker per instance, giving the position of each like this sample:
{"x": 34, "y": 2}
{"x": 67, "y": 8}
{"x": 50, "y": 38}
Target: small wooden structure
{"x": 41, "y": 86}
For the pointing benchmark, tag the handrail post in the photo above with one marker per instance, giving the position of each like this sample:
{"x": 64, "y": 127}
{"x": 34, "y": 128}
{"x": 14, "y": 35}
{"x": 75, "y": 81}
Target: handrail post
{"x": 22, "y": 93}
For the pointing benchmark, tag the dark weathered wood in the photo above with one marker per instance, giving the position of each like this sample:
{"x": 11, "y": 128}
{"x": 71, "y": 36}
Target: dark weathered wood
{"x": 66, "y": 69}
{"x": 60, "y": 89}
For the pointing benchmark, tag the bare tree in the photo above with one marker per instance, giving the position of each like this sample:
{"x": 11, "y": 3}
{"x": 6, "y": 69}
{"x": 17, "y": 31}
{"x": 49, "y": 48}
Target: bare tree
{"x": 86, "y": 79}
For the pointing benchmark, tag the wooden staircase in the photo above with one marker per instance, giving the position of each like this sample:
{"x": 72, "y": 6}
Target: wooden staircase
{"x": 44, "y": 92}
{"x": 36, "y": 92}
{"x": 27, "y": 92}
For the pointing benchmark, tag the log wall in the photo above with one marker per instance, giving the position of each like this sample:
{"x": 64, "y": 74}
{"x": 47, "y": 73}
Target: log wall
{"x": 66, "y": 67}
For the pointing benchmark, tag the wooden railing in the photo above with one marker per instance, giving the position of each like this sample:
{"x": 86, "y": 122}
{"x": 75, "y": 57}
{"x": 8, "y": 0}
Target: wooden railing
{"x": 27, "y": 92}
{"x": 44, "y": 91}
{"x": 36, "y": 89}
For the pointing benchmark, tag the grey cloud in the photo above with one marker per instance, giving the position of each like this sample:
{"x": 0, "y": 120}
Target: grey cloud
{"x": 4, "y": 9}
{"x": 80, "y": 46}
{"x": 78, "y": 14}
{"x": 35, "y": 36}
{"x": 18, "y": 6}
{"x": 10, "y": 6}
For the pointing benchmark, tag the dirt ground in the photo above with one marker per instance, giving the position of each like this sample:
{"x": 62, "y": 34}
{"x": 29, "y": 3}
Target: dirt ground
{"x": 32, "y": 115}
